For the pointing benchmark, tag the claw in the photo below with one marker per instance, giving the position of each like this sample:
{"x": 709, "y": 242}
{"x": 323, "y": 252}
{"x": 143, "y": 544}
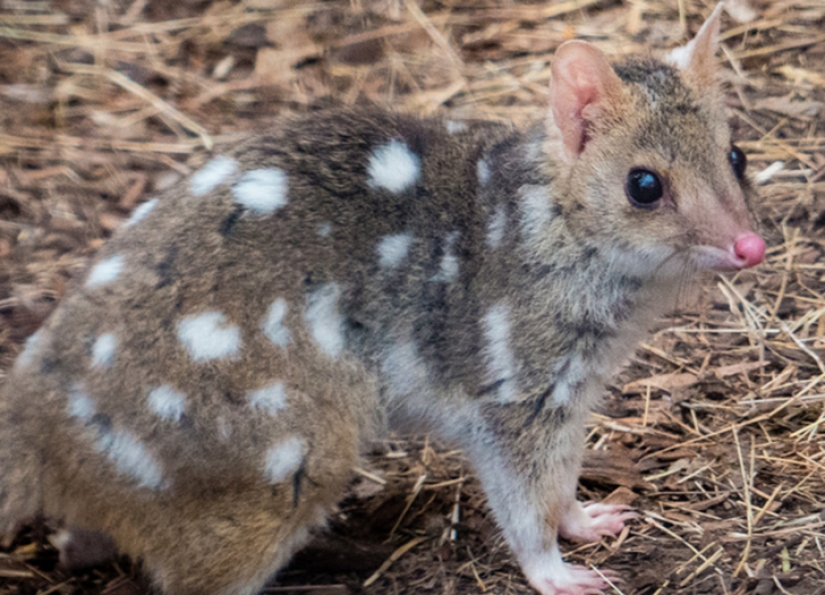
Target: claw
{"x": 592, "y": 521}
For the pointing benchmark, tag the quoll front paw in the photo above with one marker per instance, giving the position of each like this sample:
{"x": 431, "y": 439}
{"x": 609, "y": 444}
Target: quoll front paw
{"x": 573, "y": 580}
{"x": 592, "y": 521}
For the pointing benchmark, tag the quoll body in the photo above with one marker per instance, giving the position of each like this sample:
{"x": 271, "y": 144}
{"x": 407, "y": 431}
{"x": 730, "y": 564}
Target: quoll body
{"x": 203, "y": 393}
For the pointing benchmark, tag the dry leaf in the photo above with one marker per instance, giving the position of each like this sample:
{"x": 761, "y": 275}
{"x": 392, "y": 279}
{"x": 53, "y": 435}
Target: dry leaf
{"x": 274, "y": 67}
{"x": 289, "y": 33}
{"x": 805, "y": 108}
{"x": 668, "y": 382}
{"x": 391, "y": 9}
{"x": 28, "y": 93}
{"x": 798, "y": 75}
{"x": 365, "y": 488}
{"x": 744, "y": 367}
{"x": 741, "y": 11}
{"x": 294, "y": 45}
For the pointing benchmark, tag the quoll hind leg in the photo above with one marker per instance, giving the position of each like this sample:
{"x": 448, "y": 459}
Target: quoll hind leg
{"x": 229, "y": 538}
{"x": 20, "y": 478}
{"x": 81, "y": 548}
{"x": 229, "y": 545}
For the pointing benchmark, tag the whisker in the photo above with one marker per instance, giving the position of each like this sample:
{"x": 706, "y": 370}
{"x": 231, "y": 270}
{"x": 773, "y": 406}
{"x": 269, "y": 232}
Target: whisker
{"x": 679, "y": 253}
{"x": 684, "y": 295}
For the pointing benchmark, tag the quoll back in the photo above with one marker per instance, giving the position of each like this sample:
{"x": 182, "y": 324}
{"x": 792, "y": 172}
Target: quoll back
{"x": 214, "y": 371}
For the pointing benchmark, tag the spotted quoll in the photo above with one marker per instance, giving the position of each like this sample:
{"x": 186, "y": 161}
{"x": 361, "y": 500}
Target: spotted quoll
{"x": 200, "y": 397}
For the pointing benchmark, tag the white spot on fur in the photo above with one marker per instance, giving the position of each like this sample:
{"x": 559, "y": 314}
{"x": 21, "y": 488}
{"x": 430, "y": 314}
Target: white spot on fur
{"x": 167, "y": 403}
{"x": 80, "y": 405}
{"x": 103, "y": 351}
{"x": 30, "y": 349}
{"x": 131, "y": 457}
{"x": 273, "y": 325}
{"x": 120, "y": 446}
{"x": 208, "y": 336}
{"x": 535, "y": 205}
{"x": 324, "y": 320}
{"x": 393, "y": 249}
{"x": 324, "y": 229}
{"x": 496, "y": 227}
{"x": 483, "y": 172}
{"x": 270, "y": 399}
{"x": 284, "y": 459}
{"x": 223, "y": 429}
{"x": 140, "y": 212}
{"x": 404, "y": 371}
{"x": 454, "y": 126}
{"x": 394, "y": 167}
{"x": 105, "y": 271}
{"x": 262, "y": 191}
{"x": 534, "y": 151}
{"x": 572, "y": 373}
{"x": 212, "y": 175}
{"x": 501, "y": 365}
{"x": 449, "y": 262}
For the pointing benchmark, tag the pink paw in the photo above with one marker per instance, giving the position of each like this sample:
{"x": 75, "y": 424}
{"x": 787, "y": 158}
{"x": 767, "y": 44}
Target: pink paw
{"x": 577, "y": 580}
{"x": 593, "y": 521}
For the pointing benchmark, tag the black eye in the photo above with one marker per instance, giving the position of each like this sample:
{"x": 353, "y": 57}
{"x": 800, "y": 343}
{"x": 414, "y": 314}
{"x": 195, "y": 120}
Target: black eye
{"x": 643, "y": 187}
{"x": 738, "y": 161}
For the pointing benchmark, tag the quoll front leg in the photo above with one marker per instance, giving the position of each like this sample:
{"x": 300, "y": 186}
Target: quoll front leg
{"x": 530, "y": 476}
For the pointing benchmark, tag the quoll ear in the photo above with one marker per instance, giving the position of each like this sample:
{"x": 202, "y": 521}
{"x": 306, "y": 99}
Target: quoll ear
{"x": 583, "y": 87}
{"x": 697, "y": 59}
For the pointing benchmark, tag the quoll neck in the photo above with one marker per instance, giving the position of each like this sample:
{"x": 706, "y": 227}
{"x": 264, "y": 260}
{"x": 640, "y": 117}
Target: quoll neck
{"x": 568, "y": 297}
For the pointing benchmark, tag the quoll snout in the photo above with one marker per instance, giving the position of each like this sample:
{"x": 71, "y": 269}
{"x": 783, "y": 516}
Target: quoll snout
{"x": 749, "y": 250}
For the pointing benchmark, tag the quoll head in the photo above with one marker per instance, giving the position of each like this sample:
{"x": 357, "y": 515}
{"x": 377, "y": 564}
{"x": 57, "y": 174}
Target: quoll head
{"x": 651, "y": 170}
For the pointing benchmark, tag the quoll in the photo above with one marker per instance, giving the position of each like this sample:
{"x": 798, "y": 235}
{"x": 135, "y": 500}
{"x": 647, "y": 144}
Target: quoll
{"x": 202, "y": 394}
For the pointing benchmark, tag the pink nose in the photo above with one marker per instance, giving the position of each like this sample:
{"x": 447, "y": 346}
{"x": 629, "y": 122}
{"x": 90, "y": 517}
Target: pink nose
{"x": 750, "y": 249}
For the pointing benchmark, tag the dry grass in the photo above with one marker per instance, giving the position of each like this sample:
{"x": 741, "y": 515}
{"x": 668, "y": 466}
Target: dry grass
{"x": 713, "y": 432}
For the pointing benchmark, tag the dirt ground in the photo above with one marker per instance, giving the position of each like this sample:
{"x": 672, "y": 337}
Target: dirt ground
{"x": 713, "y": 431}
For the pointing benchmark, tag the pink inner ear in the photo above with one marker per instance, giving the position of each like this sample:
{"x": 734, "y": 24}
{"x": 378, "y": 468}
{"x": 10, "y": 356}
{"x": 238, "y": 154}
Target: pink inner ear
{"x": 582, "y": 77}
{"x": 586, "y": 93}
{"x": 567, "y": 110}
